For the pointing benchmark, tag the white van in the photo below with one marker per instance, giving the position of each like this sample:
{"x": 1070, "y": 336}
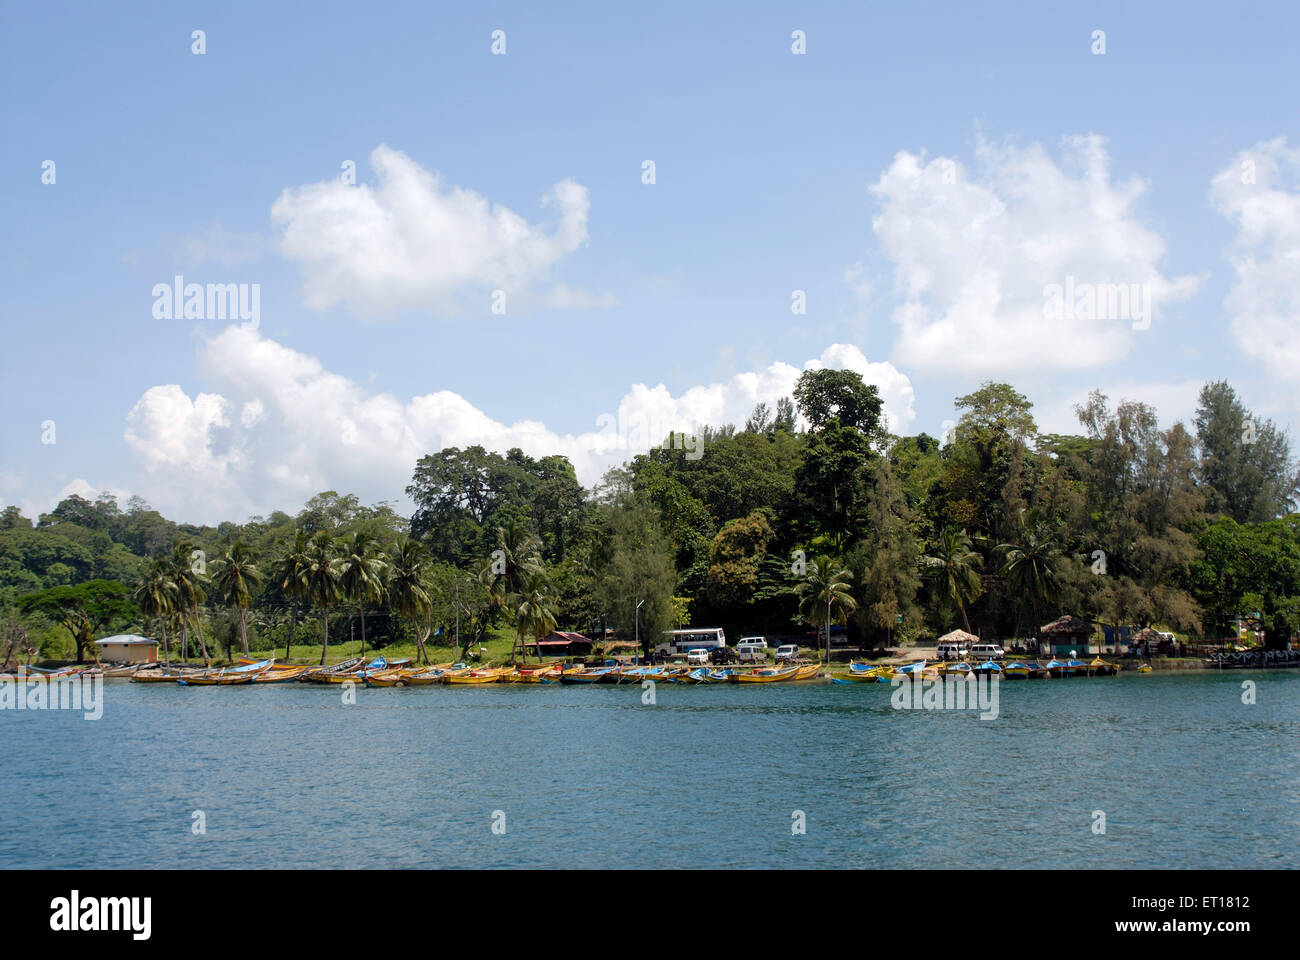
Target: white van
{"x": 952, "y": 650}
{"x": 751, "y": 648}
{"x": 788, "y": 651}
{"x": 698, "y": 656}
{"x": 987, "y": 651}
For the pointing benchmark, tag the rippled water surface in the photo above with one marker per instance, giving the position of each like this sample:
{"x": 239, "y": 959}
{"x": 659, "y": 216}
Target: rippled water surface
{"x": 289, "y": 776}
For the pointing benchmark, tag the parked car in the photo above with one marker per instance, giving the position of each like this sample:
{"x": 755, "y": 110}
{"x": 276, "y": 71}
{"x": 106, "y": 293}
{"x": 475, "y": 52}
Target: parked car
{"x": 987, "y": 651}
{"x": 700, "y": 656}
{"x": 751, "y": 648}
{"x": 952, "y": 651}
{"x": 787, "y": 651}
{"x": 722, "y": 655}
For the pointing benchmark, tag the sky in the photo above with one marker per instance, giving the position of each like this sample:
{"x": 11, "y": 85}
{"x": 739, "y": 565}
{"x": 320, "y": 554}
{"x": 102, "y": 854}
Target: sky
{"x": 575, "y": 227}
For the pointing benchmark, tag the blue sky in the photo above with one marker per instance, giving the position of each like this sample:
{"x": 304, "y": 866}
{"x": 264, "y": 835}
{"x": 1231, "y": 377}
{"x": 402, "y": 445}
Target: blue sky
{"x": 1062, "y": 163}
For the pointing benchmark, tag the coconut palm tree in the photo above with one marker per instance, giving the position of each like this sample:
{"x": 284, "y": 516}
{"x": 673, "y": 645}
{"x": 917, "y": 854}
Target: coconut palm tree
{"x": 535, "y": 612}
{"x": 323, "y": 575}
{"x": 409, "y": 588}
{"x": 188, "y": 577}
{"x": 363, "y": 575}
{"x": 156, "y": 594}
{"x": 955, "y": 567}
{"x": 237, "y": 579}
{"x": 516, "y": 561}
{"x": 290, "y": 578}
{"x": 825, "y": 596}
{"x": 1031, "y": 564}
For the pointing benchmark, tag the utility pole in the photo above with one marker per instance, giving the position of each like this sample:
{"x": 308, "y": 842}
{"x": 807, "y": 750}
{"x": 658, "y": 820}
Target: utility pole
{"x": 636, "y": 617}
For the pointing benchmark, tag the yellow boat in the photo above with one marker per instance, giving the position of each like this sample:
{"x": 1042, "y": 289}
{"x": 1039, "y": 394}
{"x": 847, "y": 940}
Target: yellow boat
{"x": 1100, "y": 668}
{"x": 281, "y": 675}
{"x": 1145, "y": 668}
{"x": 549, "y": 671}
{"x": 766, "y": 675}
{"x": 808, "y": 671}
{"x": 483, "y": 675}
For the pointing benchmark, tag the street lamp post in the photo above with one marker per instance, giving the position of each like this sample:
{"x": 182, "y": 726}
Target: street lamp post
{"x": 636, "y": 618}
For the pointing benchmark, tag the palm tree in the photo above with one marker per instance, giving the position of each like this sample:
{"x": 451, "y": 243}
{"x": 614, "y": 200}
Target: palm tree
{"x": 363, "y": 575}
{"x": 825, "y": 597}
{"x": 408, "y": 588}
{"x": 237, "y": 579}
{"x": 1031, "y": 563}
{"x": 190, "y": 593}
{"x": 517, "y": 560}
{"x": 956, "y": 569}
{"x": 290, "y": 578}
{"x": 535, "y": 613}
{"x": 323, "y": 575}
{"x": 156, "y": 594}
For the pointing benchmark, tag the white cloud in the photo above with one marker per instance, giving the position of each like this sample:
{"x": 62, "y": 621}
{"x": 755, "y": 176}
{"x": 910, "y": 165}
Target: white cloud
{"x": 974, "y": 253}
{"x": 1259, "y": 191}
{"x": 408, "y": 241}
{"x": 14, "y": 491}
{"x": 302, "y": 428}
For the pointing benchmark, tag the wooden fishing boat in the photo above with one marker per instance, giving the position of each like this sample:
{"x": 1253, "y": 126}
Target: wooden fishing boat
{"x": 765, "y": 675}
{"x": 282, "y": 675}
{"x": 1145, "y": 668}
{"x": 989, "y": 667}
{"x": 538, "y": 674}
{"x": 720, "y": 676}
{"x": 1016, "y": 671}
{"x": 323, "y": 674}
{"x": 1076, "y": 668}
{"x": 163, "y": 676}
{"x": 480, "y": 675}
{"x": 1056, "y": 668}
{"x": 228, "y": 676}
{"x": 1100, "y": 668}
{"x": 585, "y": 674}
{"x": 808, "y": 671}
{"x": 956, "y": 668}
{"x": 1036, "y": 670}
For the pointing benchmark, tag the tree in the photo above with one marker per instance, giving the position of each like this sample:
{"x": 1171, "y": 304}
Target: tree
{"x": 839, "y": 395}
{"x": 1031, "y": 562}
{"x": 82, "y": 609}
{"x": 362, "y": 575}
{"x": 237, "y": 580}
{"x": 639, "y": 570}
{"x": 290, "y": 578}
{"x": 738, "y": 552}
{"x": 1244, "y": 462}
{"x": 187, "y": 573}
{"x": 323, "y": 577}
{"x": 826, "y": 596}
{"x": 157, "y": 596}
{"x": 535, "y": 613}
{"x": 955, "y": 567}
{"x": 409, "y": 589}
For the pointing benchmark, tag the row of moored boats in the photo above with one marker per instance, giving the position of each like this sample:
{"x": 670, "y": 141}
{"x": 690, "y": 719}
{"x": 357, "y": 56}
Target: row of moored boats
{"x": 380, "y": 672}
{"x": 1015, "y": 670}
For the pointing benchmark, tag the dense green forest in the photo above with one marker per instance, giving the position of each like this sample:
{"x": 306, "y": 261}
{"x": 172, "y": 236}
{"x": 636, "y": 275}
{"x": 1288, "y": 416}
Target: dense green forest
{"x": 807, "y": 513}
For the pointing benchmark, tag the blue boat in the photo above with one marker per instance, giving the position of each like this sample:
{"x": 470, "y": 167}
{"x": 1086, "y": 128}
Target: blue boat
{"x": 989, "y": 667}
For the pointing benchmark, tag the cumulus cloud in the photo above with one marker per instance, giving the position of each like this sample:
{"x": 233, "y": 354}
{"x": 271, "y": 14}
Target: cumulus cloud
{"x": 976, "y": 251}
{"x": 410, "y": 241}
{"x": 1259, "y": 191}
{"x": 280, "y": 427}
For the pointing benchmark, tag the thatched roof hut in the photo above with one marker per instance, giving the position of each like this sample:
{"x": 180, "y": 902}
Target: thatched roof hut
{"x": 1067, "y": 626}
{"x": 1147, "y": 635}
{"x": 1067, "y": 633}
{"x": 958, "y": 636}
